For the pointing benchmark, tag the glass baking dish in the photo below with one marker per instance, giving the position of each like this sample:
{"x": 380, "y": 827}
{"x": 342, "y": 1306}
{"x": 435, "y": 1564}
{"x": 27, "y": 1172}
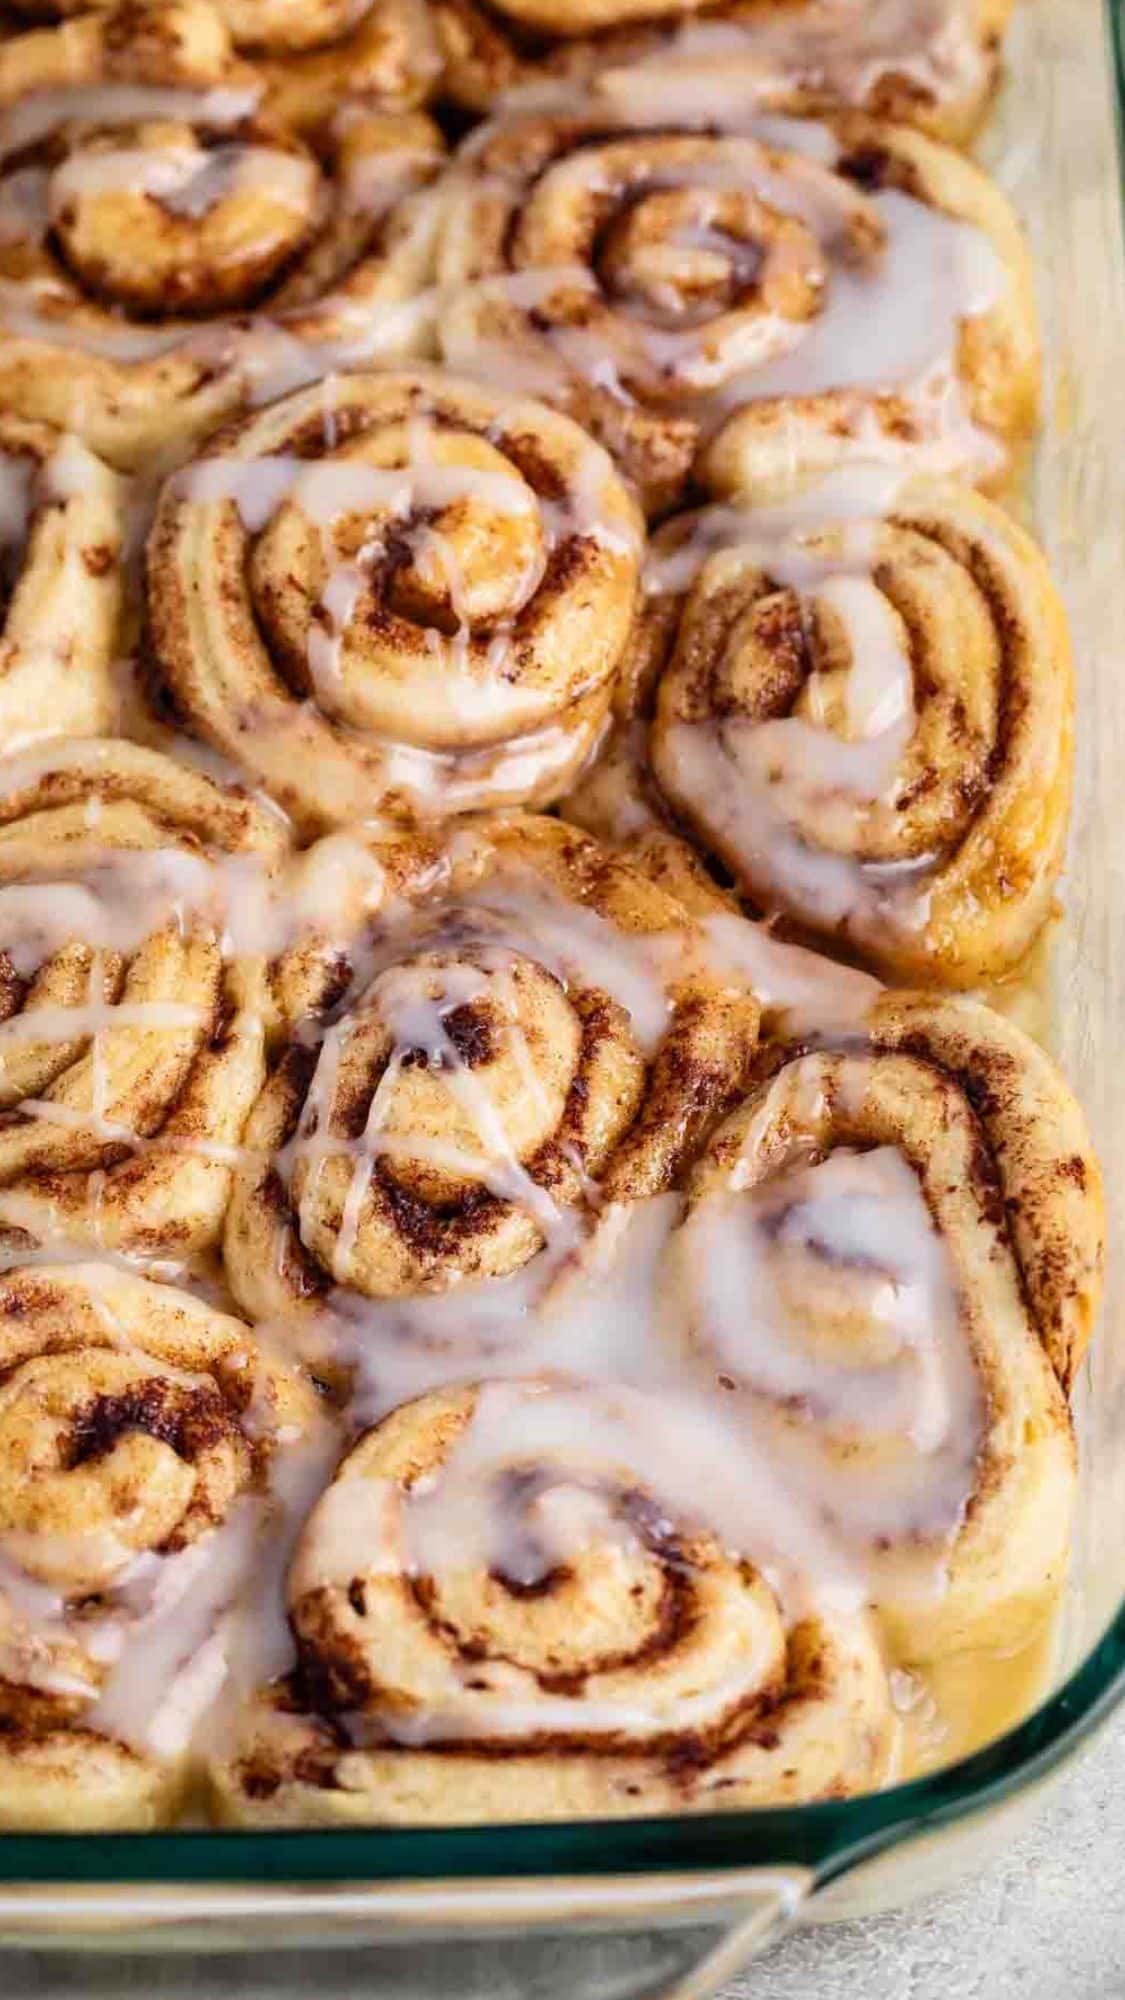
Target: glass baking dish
{"x": 674, "y": 1906}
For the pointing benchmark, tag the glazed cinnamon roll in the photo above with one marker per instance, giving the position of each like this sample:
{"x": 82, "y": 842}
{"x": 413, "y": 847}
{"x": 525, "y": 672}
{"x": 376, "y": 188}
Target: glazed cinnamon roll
{"x": 518, "y": 1030}
{"x": 891, "y": 1253}
{"x": 61, "y": 531}
{"x": 402, "y": 595}
{"x": 133, "y": 1006}
{"x": 511, "y": 1604}
{"x": 188, "y": 253}
{"x": 139, "y": 1441}
{"x": 929, "y": 63}
{"x": 864, "y": 708}
{"x": 743, "y": 305}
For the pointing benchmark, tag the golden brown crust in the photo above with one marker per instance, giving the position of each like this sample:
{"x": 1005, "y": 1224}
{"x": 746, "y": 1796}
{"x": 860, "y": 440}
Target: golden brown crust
{"x": 1038, "y": 1140}
{"x": 490, "y": 560}
{"x": 62, "y": 612}
{"x": 314, "y": 58}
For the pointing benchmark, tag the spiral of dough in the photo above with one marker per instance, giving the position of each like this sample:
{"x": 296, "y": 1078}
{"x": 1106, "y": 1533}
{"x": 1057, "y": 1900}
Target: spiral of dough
{"x": 867, "y": 716}
{"x": 499, "y": 1614}
{"x": 521, "y": 1017}
{"x": 399, "y": 595}
{"x": 738, "y": 306}
{"x": 132, "y": 1030}
{"x": 892, "y": 1252}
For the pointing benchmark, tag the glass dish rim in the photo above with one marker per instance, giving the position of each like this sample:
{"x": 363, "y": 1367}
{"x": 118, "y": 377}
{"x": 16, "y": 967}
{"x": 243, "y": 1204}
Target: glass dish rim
{"x": 827, "y": 1839}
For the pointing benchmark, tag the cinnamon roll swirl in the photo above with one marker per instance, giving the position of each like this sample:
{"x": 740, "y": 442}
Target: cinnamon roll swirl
{"x": 396, "y": 594}
{"x": 929, "y": 63}
{"x": 189, "y": 253}
{"x": 510, "y": 1604}
{"x": 61, "y": 530}
{"x": 864, "y": 709}
{"x": 133, "y": 1012}
{"x": 519, "y": 1029}
{"x": 741, "y": 304}
{"x": 891, "y": 1252}
{"x": 139, "y": 1432}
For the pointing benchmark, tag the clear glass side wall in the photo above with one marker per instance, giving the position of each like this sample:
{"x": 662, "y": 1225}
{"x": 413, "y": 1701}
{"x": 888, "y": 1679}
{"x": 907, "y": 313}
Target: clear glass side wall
{"x": 1053, "y": 149}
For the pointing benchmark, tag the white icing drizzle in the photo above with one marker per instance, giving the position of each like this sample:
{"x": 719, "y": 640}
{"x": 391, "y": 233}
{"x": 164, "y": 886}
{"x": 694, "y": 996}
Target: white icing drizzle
{"x": 584, "y": 1446}
{"x": 184, "y": 1635}
{"x": 404, "y": 978}
{"x": 414, "y": 1013}
{"x": 851, "y": 1241}
{"x": 172, "y": 1662}
{"x": 814, "y": 994}
{"x": 614, "y": 1429}
{"x": 66, "y": 473}
{"x": 39, "y": 113}
{"x": 326, "y": 490}
{"x": 123, "y": 897}
{"x": 184, "y": 180}
{"x": 900, "y": 328}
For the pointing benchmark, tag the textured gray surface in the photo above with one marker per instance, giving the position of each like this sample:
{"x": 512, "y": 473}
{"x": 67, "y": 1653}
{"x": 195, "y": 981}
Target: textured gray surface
{"x": 1046, "y": 1920}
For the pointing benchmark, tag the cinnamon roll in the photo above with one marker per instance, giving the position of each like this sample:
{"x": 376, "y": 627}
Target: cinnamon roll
{"x": 518, "y": 1030}
{"x": 890, "y": 1254}
{"x": 864, "y": 708}
{"x": 511, "y": 1604}
{"x": 313, "y": 58}
{"x": 929, "y": 63}
{"x": 402, "y": 595}
{"x": 61, "y": 530}
{"x": 139, "y": 1439}
{"x": 742, "y": 305}
{"x": 133, "y": 1007}
{"x": 188, "y": 253}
